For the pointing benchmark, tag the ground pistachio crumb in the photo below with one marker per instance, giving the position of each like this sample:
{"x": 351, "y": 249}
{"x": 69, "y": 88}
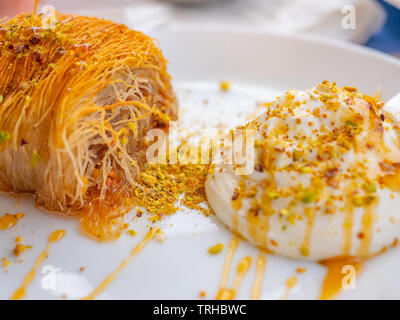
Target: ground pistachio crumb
{"x": 216, "y": 249}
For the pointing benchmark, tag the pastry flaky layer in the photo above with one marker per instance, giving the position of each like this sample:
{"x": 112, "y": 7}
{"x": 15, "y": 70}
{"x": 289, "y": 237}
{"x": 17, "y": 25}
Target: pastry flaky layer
{"x": 78, "y": 95}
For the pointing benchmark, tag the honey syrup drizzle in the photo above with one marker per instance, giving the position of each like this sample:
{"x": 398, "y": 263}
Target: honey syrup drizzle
{"x": 228, "y": 262}
{"x": 348, "y": 228}
{"x": 257, "y": 226}
{"x": 21, "y": 292}
{"x": 305, "y": 247}
{"x": 290, "y": 284}
{"x": 35, "y": 6}
{"x": 235, "y": 221}
{"x": 367, "y": 229}
{"x": 241, "y": 270}
{"x": 9, "y": 220}
{"x": 260, "y": 270}
{"x": 110, "y": 278}
{"x": 333, "y": 282}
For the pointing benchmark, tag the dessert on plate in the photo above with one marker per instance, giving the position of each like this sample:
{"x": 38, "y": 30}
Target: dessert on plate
{"x": 78, "y": 95}
{"x": 326, "y": 178}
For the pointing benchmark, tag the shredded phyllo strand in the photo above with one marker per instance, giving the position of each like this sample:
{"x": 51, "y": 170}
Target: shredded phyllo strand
{"x": 76, "y": 100}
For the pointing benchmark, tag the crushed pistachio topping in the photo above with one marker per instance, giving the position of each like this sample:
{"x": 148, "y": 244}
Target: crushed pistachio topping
{"x": 216, "y": 249}
{"x": 291, "y": 282}
{"x": 131, "y": 232}
{"x": 4, "y": 135}
{"x": 309, "y": 197}
{"x": 323, "y": 149}
{"x": 35, "y": 159}
{"x": 225, "y": 85}
{"x": 6, "y": 263}
{"x": 164, "y": 186}
{"x": 305, "y": 252}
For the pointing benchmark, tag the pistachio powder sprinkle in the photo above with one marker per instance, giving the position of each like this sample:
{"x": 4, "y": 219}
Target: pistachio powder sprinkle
{"x": 166, "y": 185}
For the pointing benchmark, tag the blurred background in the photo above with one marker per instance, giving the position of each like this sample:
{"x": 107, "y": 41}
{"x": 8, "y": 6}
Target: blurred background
{"x": 377, "y": 22}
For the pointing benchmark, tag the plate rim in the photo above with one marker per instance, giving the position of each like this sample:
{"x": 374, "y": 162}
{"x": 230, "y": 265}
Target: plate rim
{"x": 304, "y": 37}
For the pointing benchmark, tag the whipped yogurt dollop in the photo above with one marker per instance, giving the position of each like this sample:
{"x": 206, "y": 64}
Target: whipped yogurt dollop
{"x": 326, "y": 178}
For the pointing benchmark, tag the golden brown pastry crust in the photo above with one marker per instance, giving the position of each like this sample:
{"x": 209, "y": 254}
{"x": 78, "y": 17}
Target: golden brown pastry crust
{"x": 77, "y": 100}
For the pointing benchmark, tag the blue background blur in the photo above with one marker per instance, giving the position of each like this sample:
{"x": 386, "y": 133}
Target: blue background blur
{"x": 388, "y": 40}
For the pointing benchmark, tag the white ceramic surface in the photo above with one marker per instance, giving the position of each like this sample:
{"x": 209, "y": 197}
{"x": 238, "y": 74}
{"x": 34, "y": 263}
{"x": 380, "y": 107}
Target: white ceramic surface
{"x": 260, "y": 66}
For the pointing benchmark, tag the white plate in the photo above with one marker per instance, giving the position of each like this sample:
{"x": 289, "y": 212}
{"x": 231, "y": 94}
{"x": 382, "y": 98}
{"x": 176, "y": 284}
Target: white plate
{"x": 260, "y": 65}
